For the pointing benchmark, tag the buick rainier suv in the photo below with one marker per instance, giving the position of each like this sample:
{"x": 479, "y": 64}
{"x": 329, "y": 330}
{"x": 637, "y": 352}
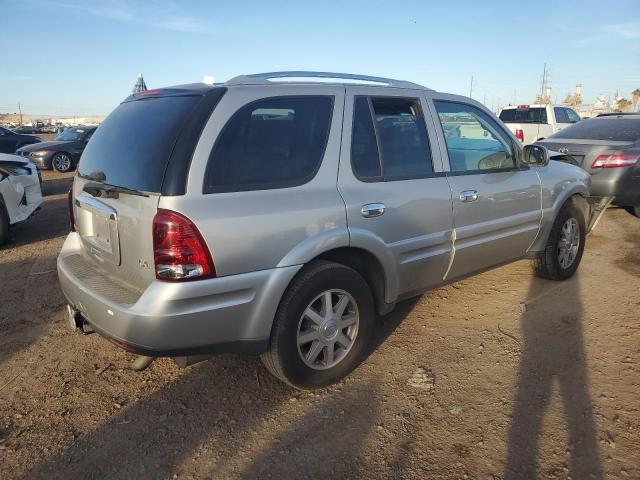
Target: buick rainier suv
{"x": 281, "y": 213}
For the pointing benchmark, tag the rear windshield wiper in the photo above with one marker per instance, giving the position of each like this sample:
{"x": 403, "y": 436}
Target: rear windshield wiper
{"x": 105, "y": 190}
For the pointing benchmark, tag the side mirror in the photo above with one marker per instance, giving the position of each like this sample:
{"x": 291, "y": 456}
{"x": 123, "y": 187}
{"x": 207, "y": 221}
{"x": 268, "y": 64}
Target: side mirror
{"x": 535, "y": 155}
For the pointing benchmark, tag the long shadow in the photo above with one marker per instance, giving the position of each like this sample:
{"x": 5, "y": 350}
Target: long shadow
{"x": 553, "y": 352}
{"x": 221, "y": 402}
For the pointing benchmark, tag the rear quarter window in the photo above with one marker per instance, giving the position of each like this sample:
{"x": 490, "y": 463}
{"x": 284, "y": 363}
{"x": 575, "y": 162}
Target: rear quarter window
{"x": 275, "y": 142}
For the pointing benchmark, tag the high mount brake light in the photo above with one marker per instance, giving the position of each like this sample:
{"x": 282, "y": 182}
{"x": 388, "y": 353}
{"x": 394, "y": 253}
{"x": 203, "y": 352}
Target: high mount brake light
{"x": 179, "y": 251}
{"x": 616, "y": 160}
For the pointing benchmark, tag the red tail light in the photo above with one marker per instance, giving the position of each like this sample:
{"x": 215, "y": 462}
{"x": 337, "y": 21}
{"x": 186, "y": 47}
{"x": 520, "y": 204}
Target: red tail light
{"x": 520, "y": 134}
{"x": 179, "y": 251}
{"x": 72, "y": 220}
{"x": 616, "y": 160}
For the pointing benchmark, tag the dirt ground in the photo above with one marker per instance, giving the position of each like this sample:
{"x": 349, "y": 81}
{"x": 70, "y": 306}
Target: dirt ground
{"x": 501, "y": 376}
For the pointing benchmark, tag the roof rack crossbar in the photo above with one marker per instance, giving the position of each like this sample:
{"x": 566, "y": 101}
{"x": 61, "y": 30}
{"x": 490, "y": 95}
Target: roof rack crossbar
{"x": 263, "y": 78}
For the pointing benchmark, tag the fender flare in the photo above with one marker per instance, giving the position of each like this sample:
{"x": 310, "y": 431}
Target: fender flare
{"x": 549, "y": 214}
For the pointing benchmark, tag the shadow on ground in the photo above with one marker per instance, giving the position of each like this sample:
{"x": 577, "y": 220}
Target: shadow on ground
{"x": 553, "y": 353}
{"x": 148, "y": 439}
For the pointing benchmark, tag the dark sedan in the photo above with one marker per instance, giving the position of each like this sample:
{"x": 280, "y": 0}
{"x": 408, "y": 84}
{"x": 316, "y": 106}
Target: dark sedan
{"x": 11, "y": 141}
{"x": 608, "y": 147}
{"x": 63, "y": 153}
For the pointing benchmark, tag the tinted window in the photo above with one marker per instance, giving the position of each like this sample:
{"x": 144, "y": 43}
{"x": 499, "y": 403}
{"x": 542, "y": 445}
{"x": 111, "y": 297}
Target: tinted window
{"x": 364, "y": 149}
{"x": 524, "y": 115}
{"x": 401, "y": 133}
{"x": 474, "y": 140}
{"x": 573, "y": 116}
{"x": 272, "y": 143}
{"x": 133, "y": 145}
{"x": 403, "y": 137}
{"x": 605, "y": 128}
{"x": 561, "y": 115}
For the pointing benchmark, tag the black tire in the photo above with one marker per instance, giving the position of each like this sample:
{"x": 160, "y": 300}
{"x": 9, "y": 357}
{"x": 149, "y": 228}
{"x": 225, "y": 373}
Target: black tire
{"x": 547, "y": 264}
{"x": 283, "y": 359}
{"x": 62, "y": 162}
{"x": 636, "y": 211}
{"x": 4, "y": 223}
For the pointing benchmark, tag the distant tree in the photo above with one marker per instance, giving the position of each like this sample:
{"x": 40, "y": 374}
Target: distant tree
{"x": 622, "y": 104}
{"x": 635, "y": 96}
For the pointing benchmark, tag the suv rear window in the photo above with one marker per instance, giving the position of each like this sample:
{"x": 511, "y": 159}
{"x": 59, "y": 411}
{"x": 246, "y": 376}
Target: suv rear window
{"x": 401, "y": 133}
{"x": 605, "y": 128}
{"x": 524, "y": 115}
{"x": 132, "y": 147}
{"x": 276, "y": 142}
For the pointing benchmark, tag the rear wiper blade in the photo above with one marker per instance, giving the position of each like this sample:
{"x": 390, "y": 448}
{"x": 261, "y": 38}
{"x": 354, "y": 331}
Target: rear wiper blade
{"x": 105, "y": 190}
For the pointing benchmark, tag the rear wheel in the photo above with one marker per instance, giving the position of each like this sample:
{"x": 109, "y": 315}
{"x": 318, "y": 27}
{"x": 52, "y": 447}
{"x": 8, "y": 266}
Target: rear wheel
{"x": 61, "y": 162}
{"x": 323, "y": 327}
{"x": 563, "y": 252}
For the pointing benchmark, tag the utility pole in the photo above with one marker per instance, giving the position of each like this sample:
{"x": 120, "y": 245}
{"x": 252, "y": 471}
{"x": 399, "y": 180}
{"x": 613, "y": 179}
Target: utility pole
{"x": 544, "y": 81}
{"x": 471, "y": 88}
{"x": 484, "y": 100}
{"x": 20, "y": 110}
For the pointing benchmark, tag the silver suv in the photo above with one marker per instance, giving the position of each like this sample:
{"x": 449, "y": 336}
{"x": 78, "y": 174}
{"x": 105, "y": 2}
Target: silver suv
{"x": 281, "y": 213}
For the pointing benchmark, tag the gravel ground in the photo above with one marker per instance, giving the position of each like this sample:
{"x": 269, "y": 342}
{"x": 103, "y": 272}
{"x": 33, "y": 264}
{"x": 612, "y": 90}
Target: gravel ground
{"x": 500, "y": 376}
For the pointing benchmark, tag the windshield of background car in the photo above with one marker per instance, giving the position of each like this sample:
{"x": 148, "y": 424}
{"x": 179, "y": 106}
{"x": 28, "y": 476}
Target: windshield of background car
{"x": 71, "y": 134}
{"x": 605, "y": 128}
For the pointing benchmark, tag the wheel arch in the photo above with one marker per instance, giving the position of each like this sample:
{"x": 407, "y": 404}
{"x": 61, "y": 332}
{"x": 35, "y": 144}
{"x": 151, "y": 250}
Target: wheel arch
{"x": 367, "y": 265}
{"x": 577, "y": 196}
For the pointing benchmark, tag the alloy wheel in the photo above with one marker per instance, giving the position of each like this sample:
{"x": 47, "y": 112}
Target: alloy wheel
{"x": 327, "y": 329}
{"x": 569, "y": 243}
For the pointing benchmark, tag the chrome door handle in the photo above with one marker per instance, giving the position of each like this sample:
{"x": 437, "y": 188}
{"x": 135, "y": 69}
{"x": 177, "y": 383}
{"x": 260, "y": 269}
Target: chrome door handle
{"x": 372, "y": 210}
{"x": 469, "y": 196}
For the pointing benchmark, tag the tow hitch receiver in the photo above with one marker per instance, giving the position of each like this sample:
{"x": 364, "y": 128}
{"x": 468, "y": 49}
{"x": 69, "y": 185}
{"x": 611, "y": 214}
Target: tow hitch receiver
{"x": 77, "y": 321}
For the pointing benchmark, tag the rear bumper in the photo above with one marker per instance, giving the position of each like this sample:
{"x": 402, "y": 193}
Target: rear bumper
{"x": 227, "y": 314}
{"x": 621, "y": 183}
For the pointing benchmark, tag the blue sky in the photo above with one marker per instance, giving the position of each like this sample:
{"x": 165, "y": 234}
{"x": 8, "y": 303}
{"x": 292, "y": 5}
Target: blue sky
{"x": 73, "y": 57}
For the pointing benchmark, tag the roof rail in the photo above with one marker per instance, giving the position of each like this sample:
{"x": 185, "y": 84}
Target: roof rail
{"x": 263, "y": 78}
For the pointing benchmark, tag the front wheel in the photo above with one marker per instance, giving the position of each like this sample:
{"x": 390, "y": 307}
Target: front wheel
{"x": 323, "y": 327}
{"x": 565, "y": 245}
{"x": 61, "y": 162}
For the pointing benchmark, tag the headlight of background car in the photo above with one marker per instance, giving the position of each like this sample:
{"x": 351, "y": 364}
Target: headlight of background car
{"x": 39, "y": 153}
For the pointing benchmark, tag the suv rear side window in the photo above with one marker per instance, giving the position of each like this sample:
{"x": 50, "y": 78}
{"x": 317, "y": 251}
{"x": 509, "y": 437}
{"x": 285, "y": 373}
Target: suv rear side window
{"x": 271, "y": 143}
{"x": 389, "y": 139}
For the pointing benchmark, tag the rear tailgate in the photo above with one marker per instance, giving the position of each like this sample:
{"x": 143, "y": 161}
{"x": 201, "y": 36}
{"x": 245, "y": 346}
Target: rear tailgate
{"x": 133, "y": 149}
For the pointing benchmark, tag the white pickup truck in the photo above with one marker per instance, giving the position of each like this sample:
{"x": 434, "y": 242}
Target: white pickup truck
{"x": 531, "y": 123}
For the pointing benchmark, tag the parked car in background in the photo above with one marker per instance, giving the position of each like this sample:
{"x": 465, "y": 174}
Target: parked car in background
{"x": 262, "y": 216}
{"x": 20, "y": 193}
{"x": 530, "y": 123}
{"x": 608, "y": 147}
{"x": 10, "y": 141}
{"x": 61, "y": 154}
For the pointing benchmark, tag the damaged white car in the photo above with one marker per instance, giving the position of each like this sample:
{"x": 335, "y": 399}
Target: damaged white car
{"x": 20, "y": 193}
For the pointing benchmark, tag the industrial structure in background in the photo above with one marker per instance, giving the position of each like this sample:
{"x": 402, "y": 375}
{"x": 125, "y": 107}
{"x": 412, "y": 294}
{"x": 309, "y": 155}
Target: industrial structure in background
{"x": 139, "y": 86}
